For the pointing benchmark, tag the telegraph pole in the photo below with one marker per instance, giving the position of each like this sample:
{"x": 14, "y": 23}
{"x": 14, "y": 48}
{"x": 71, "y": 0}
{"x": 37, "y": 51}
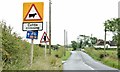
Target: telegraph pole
{"x": 64, "y": 42}
{"x": 50, "y": 27}
{"x": 77, "y": 42}
{"x": 91, "y": 41}
{"x": 105, "y": 42}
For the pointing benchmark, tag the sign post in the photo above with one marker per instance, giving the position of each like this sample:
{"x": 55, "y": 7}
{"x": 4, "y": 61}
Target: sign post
{"x": 44, "y": 39}
{"x": 31, "y": 52}
{"x": 46, "y": 42}
{"x": 31, "y": 35}
{"x": 32, "y": 22}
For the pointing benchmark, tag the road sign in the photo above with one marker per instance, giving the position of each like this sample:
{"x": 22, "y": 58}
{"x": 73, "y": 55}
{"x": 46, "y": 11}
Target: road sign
{"x": 32, "y": 34}
{"x": 33, "y": 12}
{"x": 44, "y": 38}
{"x": 32, "y": 26}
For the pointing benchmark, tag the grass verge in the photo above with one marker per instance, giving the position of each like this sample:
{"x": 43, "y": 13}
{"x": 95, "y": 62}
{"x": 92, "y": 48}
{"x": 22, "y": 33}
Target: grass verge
{"x": 64, "y": 58}
{"x": 110, "y": 59}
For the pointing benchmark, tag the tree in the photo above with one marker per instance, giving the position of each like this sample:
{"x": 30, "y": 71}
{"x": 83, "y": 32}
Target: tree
{"x": 80, "y": 45}
{"x": 114, "y": 38}
{"x": 113, "y": 25}
{"x": 87, "y": 40}
{"x": 93, "y": 40}
{"x": 74, "y": 45}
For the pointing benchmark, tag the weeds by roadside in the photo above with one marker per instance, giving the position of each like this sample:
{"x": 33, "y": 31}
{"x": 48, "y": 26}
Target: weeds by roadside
{"x": 110, "y": 59}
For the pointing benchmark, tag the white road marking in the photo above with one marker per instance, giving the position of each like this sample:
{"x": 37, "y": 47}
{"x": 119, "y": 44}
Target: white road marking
{"x": 86, "y": 64}
{"x": 89, "y": 66}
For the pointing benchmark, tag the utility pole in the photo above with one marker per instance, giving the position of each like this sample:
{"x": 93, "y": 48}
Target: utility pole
{"x": 91, "y": 41}
{"x": 105, "y": 42}
{"x": 77, "y": 43}
{"x": 64, "y": 42}
{"x": 50, "y": 27}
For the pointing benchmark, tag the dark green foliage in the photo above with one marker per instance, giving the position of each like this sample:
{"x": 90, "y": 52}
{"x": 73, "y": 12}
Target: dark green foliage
{"x": 74, "y": 45}
{"x": 113, "y": 25}
{"x": 15, "y": 51}
{"x": 80, "y": 45}
{"x": 109, "y": 59}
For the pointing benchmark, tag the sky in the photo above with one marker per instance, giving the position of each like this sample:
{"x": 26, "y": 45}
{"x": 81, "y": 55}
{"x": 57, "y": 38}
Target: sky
{"x": 75, "y": 16}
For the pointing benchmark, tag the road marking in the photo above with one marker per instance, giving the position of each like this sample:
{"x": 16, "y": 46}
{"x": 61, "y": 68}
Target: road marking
{"x": 89, "y": 66}
{"x": 86, "y": 64}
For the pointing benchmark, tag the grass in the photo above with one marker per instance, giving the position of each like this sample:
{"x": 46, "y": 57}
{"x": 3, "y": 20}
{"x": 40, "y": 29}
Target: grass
{"x": 16, "y": 53}
{"x": 60, "y": 53}
{"x": 40, "y": 62}
{"x": 0, "y": 66}
{"x": 110, "y": 59}
{"x": 64, "y": 58}
{"x": 48, "y": 63}
{"x": 67, "y": 55}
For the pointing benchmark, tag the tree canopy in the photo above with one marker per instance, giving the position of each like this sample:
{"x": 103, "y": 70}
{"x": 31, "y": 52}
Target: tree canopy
{"x": 113, "y": 26}
{"x": 74, "y": 45}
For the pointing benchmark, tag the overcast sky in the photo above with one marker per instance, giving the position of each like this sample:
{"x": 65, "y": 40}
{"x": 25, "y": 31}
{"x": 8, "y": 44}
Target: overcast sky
{"x": 75, "y": 16}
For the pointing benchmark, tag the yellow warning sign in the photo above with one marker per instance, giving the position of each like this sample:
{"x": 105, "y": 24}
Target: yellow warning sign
{"x": 33, "y": 12}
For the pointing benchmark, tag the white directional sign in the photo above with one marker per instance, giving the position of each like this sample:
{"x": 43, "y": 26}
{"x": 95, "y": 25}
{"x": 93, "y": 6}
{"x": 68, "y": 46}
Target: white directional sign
{"x": 32, "y": 26}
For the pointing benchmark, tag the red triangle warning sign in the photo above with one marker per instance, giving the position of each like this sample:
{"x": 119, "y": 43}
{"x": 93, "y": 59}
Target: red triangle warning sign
{"x": 32, "y": 14}
{"x": 44, "y": 38}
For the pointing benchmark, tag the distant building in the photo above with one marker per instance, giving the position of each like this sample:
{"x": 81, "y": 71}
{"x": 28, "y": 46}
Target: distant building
{"x": 101, "y": 42}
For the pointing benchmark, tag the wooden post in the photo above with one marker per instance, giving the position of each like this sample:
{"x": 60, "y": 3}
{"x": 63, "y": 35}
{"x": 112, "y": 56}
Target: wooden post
{"x": 105, "y": 43}
{"x": 50, "y": 27}
{"x": 64, "y": 43}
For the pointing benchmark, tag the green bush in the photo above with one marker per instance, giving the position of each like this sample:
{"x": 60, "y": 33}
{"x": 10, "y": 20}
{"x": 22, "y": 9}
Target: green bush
{"x": 15, "y": 51}
{"x": 109, "y": 59}
{"x": 59, "y": 53}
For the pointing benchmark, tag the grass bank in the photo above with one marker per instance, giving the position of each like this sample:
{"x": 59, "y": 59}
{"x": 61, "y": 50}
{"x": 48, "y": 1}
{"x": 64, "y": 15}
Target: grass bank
{"x": 16, "y": 53}
{"x": 60, "y": 53}
{"x": 64, "y": 58}
{"x": 110, "y": 59}
{"x": 67, "y": 54}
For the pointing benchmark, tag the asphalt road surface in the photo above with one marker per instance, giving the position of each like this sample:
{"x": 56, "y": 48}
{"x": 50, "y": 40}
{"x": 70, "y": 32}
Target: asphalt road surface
{"x": 82, "y": 61}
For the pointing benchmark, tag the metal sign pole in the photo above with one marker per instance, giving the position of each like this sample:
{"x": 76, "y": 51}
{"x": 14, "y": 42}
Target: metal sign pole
{"x": 31, "y": 52}
{"x": 46, "y": 42}
{"x": 45, "y": 48}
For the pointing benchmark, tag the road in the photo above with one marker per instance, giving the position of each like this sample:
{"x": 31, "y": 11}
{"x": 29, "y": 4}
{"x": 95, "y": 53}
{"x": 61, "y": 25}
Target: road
{"x": 82, "y": 61}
